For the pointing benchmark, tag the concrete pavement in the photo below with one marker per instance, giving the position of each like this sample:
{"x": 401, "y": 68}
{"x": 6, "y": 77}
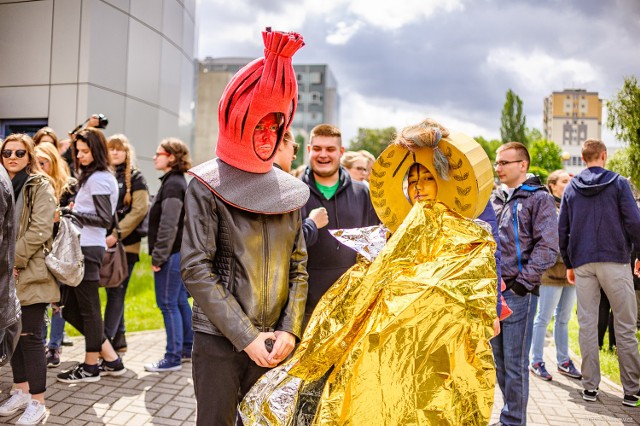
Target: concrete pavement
{"x": 142, "y": 398}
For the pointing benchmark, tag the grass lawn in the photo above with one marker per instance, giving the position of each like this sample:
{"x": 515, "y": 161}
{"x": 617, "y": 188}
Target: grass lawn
{"x": 141, "y": 312}
{"x": 608, "y": 360}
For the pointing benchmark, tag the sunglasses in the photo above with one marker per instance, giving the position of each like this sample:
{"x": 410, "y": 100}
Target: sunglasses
{"x": 6, "y": 153}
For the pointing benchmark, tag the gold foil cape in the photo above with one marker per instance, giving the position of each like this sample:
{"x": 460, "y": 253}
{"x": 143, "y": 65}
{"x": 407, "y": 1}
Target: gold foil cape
{"x": 403, "y": 340}
{"x": 367, "y": 241}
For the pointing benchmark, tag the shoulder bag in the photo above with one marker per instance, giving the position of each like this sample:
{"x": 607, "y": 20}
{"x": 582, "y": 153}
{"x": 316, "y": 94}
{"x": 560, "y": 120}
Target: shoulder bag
{"x": 114, "y": 269}
{"x": 65, "y": 260}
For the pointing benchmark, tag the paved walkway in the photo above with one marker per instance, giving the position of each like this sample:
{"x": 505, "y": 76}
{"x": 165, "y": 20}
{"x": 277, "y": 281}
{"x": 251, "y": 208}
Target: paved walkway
{"x": 141, "y": 398}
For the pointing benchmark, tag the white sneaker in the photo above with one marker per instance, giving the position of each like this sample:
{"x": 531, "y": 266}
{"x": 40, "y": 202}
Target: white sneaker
{"x": 33, "y": 415}
{"x": 18, "y": 401}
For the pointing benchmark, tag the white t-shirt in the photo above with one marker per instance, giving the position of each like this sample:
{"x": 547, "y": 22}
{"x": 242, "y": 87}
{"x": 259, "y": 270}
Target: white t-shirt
{"x": 99, "y": 183}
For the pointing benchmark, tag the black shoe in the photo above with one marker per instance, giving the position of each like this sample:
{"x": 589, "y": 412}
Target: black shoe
{"x": 53, "y": 358}
{"x": 632, "y": 400}
{"x": 590, "y": 395}
{"x": 79, "y": 374}
{"x": 119, "y": 342}
{"x": 113, "y": 368}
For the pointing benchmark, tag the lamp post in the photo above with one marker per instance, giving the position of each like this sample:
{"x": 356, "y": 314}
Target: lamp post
{"x": 565, "y": 158}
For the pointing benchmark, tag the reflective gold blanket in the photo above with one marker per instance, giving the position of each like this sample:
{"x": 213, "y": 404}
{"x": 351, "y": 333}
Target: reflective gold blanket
{"x": 403, "y": 340}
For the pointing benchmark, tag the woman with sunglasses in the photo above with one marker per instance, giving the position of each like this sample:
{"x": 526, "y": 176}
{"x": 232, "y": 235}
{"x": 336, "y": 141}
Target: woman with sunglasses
{"x": 35, "y": 208}
{"x": 133, "y": 203}
{"x": 94, "y": 208}
{"x": 64, "y": 187}
{"x": 166, "y": 220}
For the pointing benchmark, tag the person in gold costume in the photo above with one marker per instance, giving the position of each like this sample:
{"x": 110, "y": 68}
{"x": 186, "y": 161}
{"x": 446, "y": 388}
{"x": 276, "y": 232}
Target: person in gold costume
{"x": 404, "y": 338}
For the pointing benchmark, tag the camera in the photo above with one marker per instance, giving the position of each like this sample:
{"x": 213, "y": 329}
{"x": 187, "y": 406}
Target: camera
{"x": 103, "y": 122}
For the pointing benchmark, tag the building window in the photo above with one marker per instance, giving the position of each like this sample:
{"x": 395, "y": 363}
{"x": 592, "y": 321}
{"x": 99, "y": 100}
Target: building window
{"x": 315, "y": 78}
{"x": 315, "y": 97}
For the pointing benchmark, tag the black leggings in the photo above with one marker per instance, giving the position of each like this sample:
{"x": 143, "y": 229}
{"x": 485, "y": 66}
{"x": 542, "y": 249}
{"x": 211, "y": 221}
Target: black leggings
{"x": 29, "y": 363}
{"x": 81, "y": 304}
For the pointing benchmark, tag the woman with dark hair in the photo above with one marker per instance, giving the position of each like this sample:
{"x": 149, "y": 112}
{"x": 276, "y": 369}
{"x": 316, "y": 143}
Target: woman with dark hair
{"x": 35, "y": 287}
{"x": 133, "y": 203}
{"x": 94, "y": 208}
{"x": 166, "y": 220}
{"x": 46, "y": 134}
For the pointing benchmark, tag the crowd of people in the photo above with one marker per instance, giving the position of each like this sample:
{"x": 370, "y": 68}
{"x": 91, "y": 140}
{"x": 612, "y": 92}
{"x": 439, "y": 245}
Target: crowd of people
{"x": 100, "y": 184}
{"x": 249, "y": 239}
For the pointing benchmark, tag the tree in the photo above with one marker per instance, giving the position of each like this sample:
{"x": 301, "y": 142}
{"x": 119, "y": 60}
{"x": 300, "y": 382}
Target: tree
{"x": 301, "y": 150}
{"x": 624, "y": 120}
{"x": 373, "y": 140}
{"x": 513, "y": 120}
{"x": 489, "y": 147}
{"x": 619, "y": 163}
{"x": 546, "y": 155}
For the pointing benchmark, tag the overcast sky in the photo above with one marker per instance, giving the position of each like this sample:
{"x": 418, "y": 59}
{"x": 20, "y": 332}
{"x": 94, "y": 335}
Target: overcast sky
{"x": 398, "y": 61}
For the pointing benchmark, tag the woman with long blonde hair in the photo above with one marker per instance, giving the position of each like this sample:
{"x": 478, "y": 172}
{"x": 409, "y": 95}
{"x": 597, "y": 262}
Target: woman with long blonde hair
{"x": 133, "y": 203}
{"x": 64, "y": 187}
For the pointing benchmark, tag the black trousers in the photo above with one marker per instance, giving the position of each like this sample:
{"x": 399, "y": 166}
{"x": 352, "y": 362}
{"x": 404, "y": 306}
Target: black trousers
{"x": 605, "y": 320}
{"x": 29, "y": 363}
{"x": 81, "y": 304}
{"x": 221, "y": 378}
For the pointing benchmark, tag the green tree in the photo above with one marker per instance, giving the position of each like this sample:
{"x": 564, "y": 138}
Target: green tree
{"x": 373, "y": 140}
{"x": 619, "y": 162}
{"x": 489, "y": 147}
{"x": 532, "y": 134}
{"x": 300, "y": 155}
{"x": 624, "y": 120}
{"x": 513, "y": 120}
{"x": 545, "y": 155}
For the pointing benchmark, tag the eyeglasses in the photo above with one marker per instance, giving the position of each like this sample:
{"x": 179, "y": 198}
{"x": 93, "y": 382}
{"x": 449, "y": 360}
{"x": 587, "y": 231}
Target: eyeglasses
{"x": 504, "y": 163}
{"x": 6, "y": 153}
{"x": 159, "y": 154}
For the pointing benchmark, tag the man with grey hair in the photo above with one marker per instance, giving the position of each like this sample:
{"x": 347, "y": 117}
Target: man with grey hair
{"x": 599, "y": 222}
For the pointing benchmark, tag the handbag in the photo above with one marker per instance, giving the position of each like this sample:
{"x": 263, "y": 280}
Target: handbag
{"x": 65, "y": 260}
{"x": 114, "y": 268}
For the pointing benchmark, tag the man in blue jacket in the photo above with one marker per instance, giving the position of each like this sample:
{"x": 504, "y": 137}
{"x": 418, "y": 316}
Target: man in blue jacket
{"x": 527, "y": 223}
{"x": 599, "y": 220}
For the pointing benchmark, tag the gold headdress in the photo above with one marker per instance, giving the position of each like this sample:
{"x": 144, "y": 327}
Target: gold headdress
{"x": 460, "y": 166}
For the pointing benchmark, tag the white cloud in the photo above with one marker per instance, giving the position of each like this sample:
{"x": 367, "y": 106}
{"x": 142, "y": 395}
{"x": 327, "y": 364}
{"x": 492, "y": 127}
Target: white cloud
{"x": 343, "y": 31}
{"x": 390, "y": 15}
{"x": 538, "y": 71}
{"x": 376, "y": 113}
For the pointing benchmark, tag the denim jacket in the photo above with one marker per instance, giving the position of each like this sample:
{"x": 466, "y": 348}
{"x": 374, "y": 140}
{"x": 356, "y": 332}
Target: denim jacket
{"x": 528, "y": 228}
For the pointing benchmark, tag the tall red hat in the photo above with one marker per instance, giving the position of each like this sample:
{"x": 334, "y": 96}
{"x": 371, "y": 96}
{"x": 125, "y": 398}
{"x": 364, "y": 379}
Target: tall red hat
{"x": 263, "y": 86}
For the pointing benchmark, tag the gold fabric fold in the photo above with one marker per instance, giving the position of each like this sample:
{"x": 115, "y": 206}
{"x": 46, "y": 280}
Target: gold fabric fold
{"x": 403, "y": 340}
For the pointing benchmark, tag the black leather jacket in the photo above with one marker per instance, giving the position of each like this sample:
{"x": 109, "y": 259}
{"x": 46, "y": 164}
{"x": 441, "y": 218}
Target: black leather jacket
{"x": 246, "y": 271}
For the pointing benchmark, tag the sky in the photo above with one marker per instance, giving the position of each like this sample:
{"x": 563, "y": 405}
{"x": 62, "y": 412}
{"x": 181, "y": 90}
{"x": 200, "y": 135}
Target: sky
{"x": 399, "y": 61}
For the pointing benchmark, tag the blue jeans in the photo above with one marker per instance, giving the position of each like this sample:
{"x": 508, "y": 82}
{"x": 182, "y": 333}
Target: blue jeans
{"x": 511, "y": 354}
{"x": 171, "y": 297}
{"x": 558, "y": 301}
{"x": 114, "y": 310}
{"x": 57, "y": 330}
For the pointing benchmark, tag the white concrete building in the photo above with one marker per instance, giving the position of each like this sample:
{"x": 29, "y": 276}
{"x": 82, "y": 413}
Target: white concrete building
{"x": 131, "y": 60}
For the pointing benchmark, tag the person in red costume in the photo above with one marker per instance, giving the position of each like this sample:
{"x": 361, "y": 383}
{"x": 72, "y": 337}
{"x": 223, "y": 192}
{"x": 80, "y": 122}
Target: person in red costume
{"x": 243, "y": 255}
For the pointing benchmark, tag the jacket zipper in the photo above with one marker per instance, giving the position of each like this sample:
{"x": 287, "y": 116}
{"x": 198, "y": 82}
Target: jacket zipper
{"x": 265, "y": 246}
